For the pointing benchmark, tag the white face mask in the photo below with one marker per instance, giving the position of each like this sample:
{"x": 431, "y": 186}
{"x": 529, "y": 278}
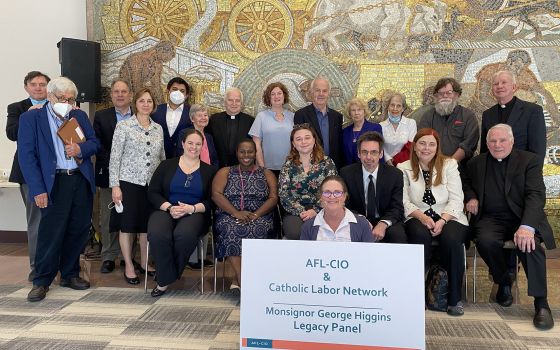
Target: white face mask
{"x": 62, "y": 108}
{"x": 177, "y": 97}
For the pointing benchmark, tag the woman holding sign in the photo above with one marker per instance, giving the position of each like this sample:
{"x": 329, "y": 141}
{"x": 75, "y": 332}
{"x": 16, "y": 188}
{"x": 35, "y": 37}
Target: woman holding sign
{"x": 334, "y": 222}
{"x": 433, "y": 207}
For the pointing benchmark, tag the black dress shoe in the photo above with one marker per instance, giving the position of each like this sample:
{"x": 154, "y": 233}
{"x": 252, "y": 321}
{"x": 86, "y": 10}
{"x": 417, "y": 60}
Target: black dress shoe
{"x": 108, "y": 266}
{"x": 37, "y": 293}
{"x": 76, "y": 283}
{"x": 194, "y": 266}
{"x": 136, "y": 265}
{"x": 150, "y": 273}
{"x": 543, "y": 319}
{"x": 156, "y": 292}
{"x": 504, "y": 296}
{"x": 131, "y": 280}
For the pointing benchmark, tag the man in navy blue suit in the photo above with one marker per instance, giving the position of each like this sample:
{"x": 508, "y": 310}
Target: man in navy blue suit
{"x": 174, "y": 115}
{"x": 61, "y": 183}
{"x": 326, "y": 121}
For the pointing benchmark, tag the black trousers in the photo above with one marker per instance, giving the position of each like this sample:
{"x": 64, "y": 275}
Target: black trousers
{"x": 450, "y": 251}
{"x": 394, "y": 234}
{"x": 291, "y": 224}
{"x": 172, "y": 242}
{"x": 64, "y": 229}
{"x": 490, "y": 235}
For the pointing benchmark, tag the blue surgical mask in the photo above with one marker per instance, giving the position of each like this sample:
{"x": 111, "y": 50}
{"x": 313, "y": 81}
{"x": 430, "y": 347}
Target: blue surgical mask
{"x": 38, "y": 102}
{"x": 394, "y": 119}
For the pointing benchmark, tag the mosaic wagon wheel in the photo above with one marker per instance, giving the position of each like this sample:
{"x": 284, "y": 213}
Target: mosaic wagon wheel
{"x": 166, "y": 20}
{"x": 293, "y": 68}
{"x": 261, "y": 26}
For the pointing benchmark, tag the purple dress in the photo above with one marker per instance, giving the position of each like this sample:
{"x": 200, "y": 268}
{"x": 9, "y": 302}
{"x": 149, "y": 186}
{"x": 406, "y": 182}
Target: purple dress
{"x": 245, "y": 191}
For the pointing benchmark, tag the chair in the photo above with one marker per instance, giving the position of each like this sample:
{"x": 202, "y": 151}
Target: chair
{"x": 201, "y": 253}
{"x": 507, "y": 245}
{"x": 216, "y": 274}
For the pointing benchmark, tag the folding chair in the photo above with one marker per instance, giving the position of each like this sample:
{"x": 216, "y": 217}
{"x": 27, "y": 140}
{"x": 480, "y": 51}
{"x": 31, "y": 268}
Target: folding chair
{"x": 507, "y": 245}
{"x": 201, "y": 253}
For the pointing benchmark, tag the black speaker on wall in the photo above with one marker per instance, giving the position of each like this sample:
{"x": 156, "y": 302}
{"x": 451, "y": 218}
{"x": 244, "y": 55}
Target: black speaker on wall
{"x": 80, "y": 61}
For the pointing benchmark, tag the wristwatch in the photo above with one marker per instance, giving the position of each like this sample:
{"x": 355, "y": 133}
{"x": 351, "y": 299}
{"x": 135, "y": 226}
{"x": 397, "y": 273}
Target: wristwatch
{"x": 168, "y": 209}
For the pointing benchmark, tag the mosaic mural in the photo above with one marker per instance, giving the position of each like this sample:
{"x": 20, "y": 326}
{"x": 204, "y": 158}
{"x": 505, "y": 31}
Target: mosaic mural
{"x": 365, "y": 48}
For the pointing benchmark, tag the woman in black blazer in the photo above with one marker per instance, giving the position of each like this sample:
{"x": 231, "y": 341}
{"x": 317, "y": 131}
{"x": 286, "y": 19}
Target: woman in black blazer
{"x": 180, "y": 193}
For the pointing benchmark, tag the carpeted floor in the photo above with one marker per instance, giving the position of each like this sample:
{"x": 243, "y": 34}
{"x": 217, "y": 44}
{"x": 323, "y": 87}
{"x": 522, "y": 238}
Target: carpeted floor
{"x": 115, "y": 318}
{"x": 124, "y": 318}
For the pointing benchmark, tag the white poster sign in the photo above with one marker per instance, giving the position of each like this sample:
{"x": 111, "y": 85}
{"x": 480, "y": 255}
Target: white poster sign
{"x": 332, "y": 295}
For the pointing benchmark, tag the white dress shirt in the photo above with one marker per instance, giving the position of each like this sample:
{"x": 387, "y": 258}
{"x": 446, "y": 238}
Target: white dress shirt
{"x": 395, "y": 139}
{"x": 173, "y": 117}
{"x": 342, "y": 233}
{"x": 365, "y": 175}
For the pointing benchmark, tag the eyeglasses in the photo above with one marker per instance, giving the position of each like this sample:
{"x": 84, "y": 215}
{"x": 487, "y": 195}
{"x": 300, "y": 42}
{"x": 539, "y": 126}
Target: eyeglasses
{"x": 329, "y": 194}
{"x": 445, "y": 93}
{"x": 70, "y": 100}
{"x": 365, "y": 153}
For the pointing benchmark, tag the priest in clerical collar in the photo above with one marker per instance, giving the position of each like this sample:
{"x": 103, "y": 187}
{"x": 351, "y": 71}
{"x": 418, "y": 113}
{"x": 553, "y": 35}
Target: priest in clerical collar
{"x": 230, "y": 127}
{"x": 505, "y": 193}
{"x": 525, "y": 118}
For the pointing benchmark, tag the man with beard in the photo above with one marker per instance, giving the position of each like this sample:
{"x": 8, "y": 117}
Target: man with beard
{"x": 456, "y": 125}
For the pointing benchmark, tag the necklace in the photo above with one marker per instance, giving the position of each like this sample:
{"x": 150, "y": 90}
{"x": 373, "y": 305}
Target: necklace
{"x": 242, "y": 203}
{"x": 355, "y": 134}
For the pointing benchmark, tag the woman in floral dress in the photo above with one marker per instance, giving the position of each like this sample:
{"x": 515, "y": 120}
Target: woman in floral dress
{"x": 300, "y": 178}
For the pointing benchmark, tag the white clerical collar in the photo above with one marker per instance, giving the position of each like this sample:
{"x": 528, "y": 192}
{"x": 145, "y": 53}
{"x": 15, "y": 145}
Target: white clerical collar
{"x": 503, "y": 106}
{"x": 232, "y": 117}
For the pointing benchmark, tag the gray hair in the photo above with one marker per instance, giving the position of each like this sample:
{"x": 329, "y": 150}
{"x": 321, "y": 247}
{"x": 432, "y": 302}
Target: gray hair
{"x": 502, "y": 126}
{"x": 120, "y": 80}
{"x": 197, "y": 108}
{"x": 387, "y": 100}
{"x": 508, "y": 72}
{"x": 61, "y": 85}
{"x": 312, "y": 86}
{"x": 229, "y": 90}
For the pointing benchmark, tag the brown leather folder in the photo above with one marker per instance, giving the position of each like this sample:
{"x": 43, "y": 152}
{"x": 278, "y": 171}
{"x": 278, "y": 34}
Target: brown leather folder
{"x": 70, "y": 131}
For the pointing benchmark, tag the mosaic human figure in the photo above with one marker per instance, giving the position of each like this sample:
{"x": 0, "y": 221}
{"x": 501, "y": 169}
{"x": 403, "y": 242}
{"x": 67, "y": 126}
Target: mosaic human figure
{"x": 144, "y": 68}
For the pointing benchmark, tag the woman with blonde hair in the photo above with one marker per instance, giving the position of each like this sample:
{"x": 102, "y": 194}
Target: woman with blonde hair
{"x": 358, "y": 111}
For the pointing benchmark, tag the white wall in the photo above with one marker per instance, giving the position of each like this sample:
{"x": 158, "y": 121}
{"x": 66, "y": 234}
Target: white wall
{"x": 29, "y": 31}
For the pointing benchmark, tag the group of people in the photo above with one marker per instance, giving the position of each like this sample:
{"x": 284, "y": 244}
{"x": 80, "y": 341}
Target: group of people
{"x": 171, "y": 173}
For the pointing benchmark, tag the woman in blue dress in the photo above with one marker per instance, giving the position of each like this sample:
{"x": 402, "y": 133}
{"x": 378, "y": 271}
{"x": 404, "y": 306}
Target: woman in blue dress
{"x": 358, "y": 110}
{"x": 245, "y": 196}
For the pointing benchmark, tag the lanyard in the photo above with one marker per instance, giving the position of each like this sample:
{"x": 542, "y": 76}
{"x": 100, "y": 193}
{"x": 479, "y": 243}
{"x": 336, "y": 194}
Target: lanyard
{"x": 242, "y": 204}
